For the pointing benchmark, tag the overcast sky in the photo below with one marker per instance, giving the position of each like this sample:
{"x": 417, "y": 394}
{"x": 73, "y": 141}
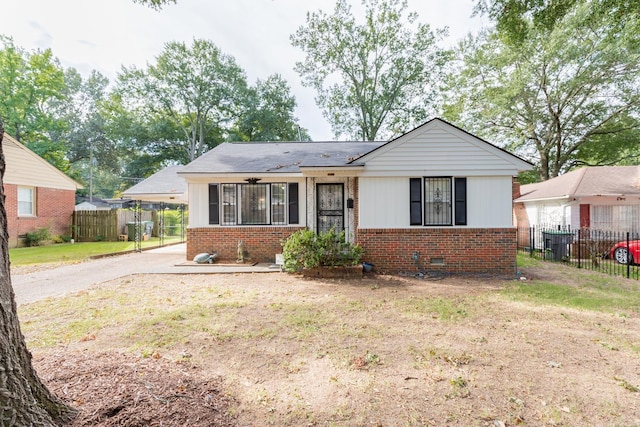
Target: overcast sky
{"x": 107, "y": 34}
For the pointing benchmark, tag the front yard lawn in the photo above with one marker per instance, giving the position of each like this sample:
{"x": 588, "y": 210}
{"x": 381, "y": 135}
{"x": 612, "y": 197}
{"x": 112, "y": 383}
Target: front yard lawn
{"x": 70, "y": 252}
{"x": 559, "y": 348}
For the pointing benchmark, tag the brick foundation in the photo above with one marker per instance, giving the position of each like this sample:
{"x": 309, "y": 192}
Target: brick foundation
{"x": 461, "y": 250}
{"x": 454, "y": 250}
{"x": 260, "y": 243}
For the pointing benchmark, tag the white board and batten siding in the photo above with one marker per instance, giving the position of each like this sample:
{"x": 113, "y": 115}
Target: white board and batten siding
{"x": 198, "y": 205}
{"x": 384, "y": 202}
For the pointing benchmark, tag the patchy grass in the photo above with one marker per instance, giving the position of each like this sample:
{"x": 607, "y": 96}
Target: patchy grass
{"x": 385, "y": 350}
{"x": 595, "y": 292}
{"x": 445, "y": 309}
{"x": 524, "y": 260}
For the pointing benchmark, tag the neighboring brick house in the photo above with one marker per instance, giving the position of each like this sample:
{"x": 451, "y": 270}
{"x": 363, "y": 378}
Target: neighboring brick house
{"x": 434, "y": 198}
{"x": 37, "y": 194}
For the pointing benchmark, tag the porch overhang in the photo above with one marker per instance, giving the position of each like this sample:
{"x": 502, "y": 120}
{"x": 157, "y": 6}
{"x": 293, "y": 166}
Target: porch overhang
{"x": 321, "y": 171}
{"x": 178, "y": 199}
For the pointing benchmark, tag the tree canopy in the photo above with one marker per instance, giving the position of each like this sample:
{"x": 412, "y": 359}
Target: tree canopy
{"x": 268, "y": 114}
{"x": 558, "y": 95}
{"x": 192, "y": 89}
{"x": 31, "y": 85}
{"x": 376, "y": 78}
{"x": 515, "y": 19}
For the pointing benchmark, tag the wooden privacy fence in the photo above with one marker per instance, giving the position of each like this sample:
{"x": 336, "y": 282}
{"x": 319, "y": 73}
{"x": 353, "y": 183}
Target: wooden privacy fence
{"x": 91, "y": 226}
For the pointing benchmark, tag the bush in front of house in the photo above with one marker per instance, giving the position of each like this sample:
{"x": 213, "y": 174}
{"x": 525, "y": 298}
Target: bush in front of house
{"x": 37, "y": 237}
{"x": 306, "y": 249}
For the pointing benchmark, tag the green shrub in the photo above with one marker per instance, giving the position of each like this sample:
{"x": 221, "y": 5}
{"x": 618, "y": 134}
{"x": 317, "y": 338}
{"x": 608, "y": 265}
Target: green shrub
{"x": 61, "y": 238}
{"x": 306, "y": 249}
{"x": 172, "y": 222}
{"x": 37, "y": 236}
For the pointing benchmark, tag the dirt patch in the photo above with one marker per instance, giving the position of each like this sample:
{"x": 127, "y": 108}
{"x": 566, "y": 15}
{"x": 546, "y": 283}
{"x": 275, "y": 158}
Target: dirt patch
{"x": 275, "y": 349}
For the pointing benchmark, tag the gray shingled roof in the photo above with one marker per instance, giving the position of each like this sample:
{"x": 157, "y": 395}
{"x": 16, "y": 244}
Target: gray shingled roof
{"x": 277, "y": 157}
{"x": 165, "y": 181}
{"x": 587, "y": 181}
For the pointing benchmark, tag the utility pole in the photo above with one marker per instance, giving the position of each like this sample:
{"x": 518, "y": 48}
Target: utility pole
{"x": 92, "y": 163}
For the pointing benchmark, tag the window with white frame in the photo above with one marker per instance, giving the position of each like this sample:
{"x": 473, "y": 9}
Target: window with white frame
{"x": 278, "y": 203}
{"x": 26, "y": 201}
{"x": 229, "y": 204}
{"x": 615, "y": 217}
{"x": 253, "y": 204}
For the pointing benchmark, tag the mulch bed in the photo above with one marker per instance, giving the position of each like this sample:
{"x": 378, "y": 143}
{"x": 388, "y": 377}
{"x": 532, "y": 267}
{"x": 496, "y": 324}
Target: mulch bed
{"x": 116, "y": 389}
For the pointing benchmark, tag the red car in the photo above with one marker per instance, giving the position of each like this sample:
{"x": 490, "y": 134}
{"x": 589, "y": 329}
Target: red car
{"x": 625, "y": 255}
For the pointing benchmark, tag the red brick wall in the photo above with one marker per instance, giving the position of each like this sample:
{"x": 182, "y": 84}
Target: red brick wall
{"x": 54, "y": 210}
{"x": 260, "y": 243}
{"x": 520, "y": 218}
{"x": 463, "y": 250}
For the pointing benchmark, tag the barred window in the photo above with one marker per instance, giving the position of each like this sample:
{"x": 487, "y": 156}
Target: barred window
{"x": 253, "y": 204}
{"x": 278, "y": 203}
{"x": 229, "y": 204}
{"x": 433, "y": 200}
{"x": 437, "y": 201}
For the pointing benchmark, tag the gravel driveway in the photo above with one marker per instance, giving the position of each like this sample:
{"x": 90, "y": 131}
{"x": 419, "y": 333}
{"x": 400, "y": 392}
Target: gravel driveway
{"x": 70, "y": 278}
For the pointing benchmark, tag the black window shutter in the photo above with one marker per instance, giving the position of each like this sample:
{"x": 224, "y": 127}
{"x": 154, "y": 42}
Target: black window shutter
{"x": 214, "y": 204}
{"x": 461, "y": 201}
{"x": 293, "y": 203}
{"x": 415, "y": 200}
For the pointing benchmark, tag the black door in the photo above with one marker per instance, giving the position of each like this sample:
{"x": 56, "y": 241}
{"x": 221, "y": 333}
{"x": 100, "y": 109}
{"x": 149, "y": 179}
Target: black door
{"x": 330, "y": 207}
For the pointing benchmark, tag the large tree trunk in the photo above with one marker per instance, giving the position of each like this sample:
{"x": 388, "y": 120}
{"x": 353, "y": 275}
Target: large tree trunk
{"x": 24, "y": 399}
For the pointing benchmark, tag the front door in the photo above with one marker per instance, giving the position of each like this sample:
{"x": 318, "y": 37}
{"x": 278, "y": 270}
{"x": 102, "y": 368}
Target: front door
{"x": 330, "y": 207}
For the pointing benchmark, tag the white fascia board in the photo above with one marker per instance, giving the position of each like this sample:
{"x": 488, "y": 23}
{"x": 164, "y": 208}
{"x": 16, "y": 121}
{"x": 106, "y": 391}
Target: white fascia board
{"x": 544, "y": 199}
{"x": 456, "y": 172}
{"x": 331, "y": 171}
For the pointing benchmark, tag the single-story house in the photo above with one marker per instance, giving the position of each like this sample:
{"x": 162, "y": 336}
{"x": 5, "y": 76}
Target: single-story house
{"x": 163, "y": 186}
{"x": 436, "y": 198}
{"x": 120, "y": 203}
{"x": 37, "y": 194}
{"x": 92, "y": 204}
{"x": 601, "y": 197}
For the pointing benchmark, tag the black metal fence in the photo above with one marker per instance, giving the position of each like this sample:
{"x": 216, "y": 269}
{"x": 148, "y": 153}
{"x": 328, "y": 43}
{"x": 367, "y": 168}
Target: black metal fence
{"x": 611, "y": 252}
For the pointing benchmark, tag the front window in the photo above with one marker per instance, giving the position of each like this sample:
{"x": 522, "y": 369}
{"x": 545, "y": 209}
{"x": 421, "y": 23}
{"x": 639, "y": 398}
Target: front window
{"x": 438, "y": 201}
{"x": 437, "y": 194}
{"x": 278, "y": 203}
{"x": 26, "y": 205}
{"x": 615, "y": 217}
{"x": 254, "y": 204}
{"x": 228, "y": 204}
